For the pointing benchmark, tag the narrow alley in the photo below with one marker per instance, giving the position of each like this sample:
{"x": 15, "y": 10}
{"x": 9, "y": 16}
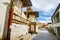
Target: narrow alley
{"x": 45, "y": 35}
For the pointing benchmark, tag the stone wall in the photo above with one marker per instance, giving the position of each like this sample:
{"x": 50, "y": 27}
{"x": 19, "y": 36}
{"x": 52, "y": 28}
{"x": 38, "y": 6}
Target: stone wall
{"x": 18, "y": 30}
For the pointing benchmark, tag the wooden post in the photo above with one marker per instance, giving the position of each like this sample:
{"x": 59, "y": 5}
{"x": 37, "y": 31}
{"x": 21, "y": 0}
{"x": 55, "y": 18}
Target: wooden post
{"x": 34, "y": 28}
{"x": 29, "y": 28}
{"x": 9, "y": 24}
{"x": 10, "y": 20}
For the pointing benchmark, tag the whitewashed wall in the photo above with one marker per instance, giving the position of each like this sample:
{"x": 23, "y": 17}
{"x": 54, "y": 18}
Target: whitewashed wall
{"x": 18, "y": 30}
{"x": 3, "y": 9}
{"x": 37, "y": 28}
{"x": 32, "y": 27}
{"x": 56, "y": 25}
{"x": 31, "y": 18}
{"x": 19, "y": 12}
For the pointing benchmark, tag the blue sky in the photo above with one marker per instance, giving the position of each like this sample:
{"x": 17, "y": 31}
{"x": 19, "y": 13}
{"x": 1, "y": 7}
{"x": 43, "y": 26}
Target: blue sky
{"x": 45, "y": 8}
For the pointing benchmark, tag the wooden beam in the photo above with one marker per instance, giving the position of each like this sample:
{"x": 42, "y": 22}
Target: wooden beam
{"x": 10, "y": 20}
{"x": 26, "y": 3}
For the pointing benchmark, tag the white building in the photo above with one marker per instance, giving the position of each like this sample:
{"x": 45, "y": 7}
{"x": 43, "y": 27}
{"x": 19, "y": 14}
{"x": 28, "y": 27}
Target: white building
{"x": 3, "y": 15}
{"x": 56, "y": 21}
{"x": 16, "y": 21}
{"x": 32, "y": 16}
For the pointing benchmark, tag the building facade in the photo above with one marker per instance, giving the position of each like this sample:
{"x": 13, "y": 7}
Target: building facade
{"x": 14, "y": 23}
{"x": 4, "y": 5}
{"x": 20, "y": 23}
{"x": 32, "y": 17}
{"x": 56, "y": 21}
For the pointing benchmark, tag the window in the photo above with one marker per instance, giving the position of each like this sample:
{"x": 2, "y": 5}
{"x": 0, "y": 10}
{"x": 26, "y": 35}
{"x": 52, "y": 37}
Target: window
{"x": 56, "y": 18}
{"x": 53, "y": 21}
{"x": 59, "y": 16}
{"x": 58, "y": 29}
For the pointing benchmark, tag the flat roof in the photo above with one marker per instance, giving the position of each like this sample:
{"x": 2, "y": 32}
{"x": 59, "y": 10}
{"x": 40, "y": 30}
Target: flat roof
{"x": 32, "y": 13}
{"x": 56, "y": 10}
{"x": 26, "y": 3}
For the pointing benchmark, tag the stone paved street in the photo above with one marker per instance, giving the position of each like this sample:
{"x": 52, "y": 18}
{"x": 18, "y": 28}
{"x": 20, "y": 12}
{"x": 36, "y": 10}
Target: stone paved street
{"x": 45, "y": 35}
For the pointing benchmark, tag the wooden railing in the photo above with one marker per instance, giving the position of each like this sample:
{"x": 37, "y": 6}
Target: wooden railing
{"x": 18, "y": 19}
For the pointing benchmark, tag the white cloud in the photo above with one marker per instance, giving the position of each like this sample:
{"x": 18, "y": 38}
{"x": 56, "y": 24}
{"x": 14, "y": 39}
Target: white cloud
{"x": 59, "y": 1}
{"x": 47, "y": 21}
{"x": 24, "y": 9}
{"x": 49, "y": 7}
{"x": 44, "y": 21}
{"x": 46, "y": 18}
{"x": 45, "y": 5}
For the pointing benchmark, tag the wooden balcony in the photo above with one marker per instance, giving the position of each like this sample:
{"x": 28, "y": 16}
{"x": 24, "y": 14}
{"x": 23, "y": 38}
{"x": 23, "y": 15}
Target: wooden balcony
{"x": 18, "y": 19}
{"x": 31, "y": 13}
